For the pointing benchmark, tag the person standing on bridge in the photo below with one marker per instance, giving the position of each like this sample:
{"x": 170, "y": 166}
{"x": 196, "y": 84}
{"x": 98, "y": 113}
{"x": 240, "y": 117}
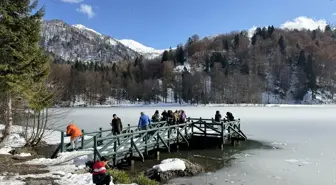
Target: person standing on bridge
{"x": 218, "y": 116}
{"x": 116, "y": 125}
{"x": 229, "y": 117}
{"x": 75, "y": 133}
{"x": 156, "y": 116}
{"x": 144, "y": 122}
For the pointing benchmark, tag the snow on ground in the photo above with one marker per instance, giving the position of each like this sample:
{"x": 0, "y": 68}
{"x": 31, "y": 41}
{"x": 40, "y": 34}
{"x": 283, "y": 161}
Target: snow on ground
{"x": 170, "y": 165}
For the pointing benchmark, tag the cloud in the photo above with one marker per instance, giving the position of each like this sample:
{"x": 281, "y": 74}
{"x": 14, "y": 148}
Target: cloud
{"x": 72, "y": 1}
{"x": 86, "y": 9}
{"x": 302, "y": 22}
{"x": 299, "y": 23}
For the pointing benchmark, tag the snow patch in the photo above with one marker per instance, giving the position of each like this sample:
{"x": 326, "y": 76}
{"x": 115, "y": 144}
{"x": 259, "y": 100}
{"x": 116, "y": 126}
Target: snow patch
{"x": 23, "y": 154}
{"x": 5, "y": 150}
{"x": 77, "y": 158}
{"x": 140, "y": 48}
{"x": 82, "y": 27}
{"x": 170, "y": 165}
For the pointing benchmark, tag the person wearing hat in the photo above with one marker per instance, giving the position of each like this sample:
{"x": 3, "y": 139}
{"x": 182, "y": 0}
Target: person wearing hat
{"x": 116, "y": 125}
{"x": 100, "y": 175}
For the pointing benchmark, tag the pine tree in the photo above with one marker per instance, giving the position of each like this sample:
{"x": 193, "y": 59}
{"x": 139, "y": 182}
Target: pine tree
{"x": 22, "y": 62}
{"x": 165, "y": 56}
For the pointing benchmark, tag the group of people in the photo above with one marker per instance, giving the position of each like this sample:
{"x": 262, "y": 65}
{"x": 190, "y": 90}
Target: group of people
{"x": 229, "y": 117}
{"x": 179, "y": 116}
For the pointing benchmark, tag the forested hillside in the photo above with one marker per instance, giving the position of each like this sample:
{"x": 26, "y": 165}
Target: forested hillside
{"x": 273, "y": 66}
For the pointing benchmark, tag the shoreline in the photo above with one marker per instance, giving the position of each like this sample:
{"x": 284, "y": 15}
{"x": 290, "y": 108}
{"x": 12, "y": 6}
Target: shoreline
{"x": 211, "y": 159}
{"x": 199, "y": 105}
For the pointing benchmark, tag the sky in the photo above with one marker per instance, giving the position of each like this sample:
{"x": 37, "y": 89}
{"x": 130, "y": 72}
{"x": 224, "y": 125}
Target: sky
{"x": 163, "y": 24}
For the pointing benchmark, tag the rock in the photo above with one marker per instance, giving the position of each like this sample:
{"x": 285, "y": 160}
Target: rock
{"x": 191, "y": 170}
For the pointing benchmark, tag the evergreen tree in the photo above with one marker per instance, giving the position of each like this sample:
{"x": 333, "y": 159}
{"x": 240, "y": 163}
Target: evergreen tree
{"x": 328, "y": 28}
{"x": 282, "y": 45}
{"x": 179, "y": 55}
{"x": 22, "y": 62}
{"x": 165, "y": 56}
{"x": 254, "y": 39}
{"x": 170, "y": 54}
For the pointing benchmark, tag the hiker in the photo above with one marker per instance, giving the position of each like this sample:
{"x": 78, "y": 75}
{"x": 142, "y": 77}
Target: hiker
{"x": 116, "y": 125}
{"x": 164, "y": 115}
{"x": 144, "y": 121}
{"x": 156, "y": 116}
{"x": 218, "y": 116}
{"x": 75, "y": 133}
{"x": 183, "y": 117}
{"x": 176, "y": 117}
{"x": 229, "y": 116}
{"x": 170, "y": 117}
{"x": 99, "y": 172}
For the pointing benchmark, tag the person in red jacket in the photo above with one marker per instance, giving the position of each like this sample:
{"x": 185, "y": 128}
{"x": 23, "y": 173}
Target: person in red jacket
{"x": 99, "y": 172}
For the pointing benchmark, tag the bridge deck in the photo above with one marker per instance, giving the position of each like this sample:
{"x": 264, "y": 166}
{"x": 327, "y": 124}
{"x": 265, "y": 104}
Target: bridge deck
{"x": 159, "y": 135}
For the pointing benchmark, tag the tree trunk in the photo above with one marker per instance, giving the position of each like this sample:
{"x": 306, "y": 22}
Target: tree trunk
{"x": 8, "y": 128}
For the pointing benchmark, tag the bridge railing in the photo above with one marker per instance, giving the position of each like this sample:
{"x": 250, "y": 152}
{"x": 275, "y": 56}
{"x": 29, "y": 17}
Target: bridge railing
{"x": 141, "y": 141}
{"x": 87, "y": 137}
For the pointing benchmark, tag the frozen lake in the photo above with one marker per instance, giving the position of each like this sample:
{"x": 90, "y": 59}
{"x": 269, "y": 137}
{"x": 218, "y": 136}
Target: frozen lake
{"x": 305, "y": 134}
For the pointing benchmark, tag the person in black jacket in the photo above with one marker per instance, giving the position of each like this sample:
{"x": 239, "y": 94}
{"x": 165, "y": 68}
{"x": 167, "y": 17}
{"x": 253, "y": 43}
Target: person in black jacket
{"x": 164, "y": 115}
{"x": 229, "y": 116}
{"x": 218, "y": 116}
{"x": 116, "y": 125}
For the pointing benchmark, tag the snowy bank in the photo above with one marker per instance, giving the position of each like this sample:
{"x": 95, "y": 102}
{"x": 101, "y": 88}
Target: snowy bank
{"x": 172, "y": 168}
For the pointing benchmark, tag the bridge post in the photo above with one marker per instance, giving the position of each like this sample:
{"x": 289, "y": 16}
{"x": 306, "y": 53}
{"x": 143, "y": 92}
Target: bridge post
{"x": 222, "y": 135}
{"x": 169, "y": 132}
{"x": 82, "y": 141}
{"x": 146, "y": 142}
{"x": 192, "y": 128}
{"x": 62, "y": 142}
{"x": 100, "y": 136}
{"x": 128, "y": 128}
{"x": 94, "y": 148}
{"x": 115, "y": 153}
{"x": 131, "y": 152}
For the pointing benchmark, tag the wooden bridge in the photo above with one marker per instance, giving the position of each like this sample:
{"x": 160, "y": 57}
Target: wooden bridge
{"x": 134, "y": 142}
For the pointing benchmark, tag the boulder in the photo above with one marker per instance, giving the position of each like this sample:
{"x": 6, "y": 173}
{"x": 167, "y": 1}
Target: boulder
{"x": 172, "y": 168}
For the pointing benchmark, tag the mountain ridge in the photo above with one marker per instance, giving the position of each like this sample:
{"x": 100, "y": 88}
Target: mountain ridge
{"x": 80, "y": 43}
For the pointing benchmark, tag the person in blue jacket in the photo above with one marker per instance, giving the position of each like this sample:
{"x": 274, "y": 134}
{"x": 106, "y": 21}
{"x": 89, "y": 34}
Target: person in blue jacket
{"x": 143, "y": 124}
{"x": 144, "y": 121}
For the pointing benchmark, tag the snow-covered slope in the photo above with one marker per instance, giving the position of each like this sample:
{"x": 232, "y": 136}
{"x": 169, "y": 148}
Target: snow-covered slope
{"x": 146, "y": 51}
{"x": 82, "y": 27}
{"x": 78, "y": 42}
{"x": 140, "y": 48}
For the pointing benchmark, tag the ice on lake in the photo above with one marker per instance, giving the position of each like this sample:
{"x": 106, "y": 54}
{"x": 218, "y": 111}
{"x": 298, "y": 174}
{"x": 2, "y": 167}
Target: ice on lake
{"x": 306, "y": 136}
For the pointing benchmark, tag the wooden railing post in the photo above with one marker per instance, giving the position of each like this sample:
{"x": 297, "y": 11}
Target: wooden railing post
{"x": 146, "y": 142}
{"x": 100, "y": 136}
{"x": 62, "y": 142}
{"x": 132, "y": 140}
{"x": 115, "y": 153}
{"x": 94, "y": 148}
{"x": 192, "y": 128}
{"x": 82, "y": 141}
{"x": 128, "y": 128}
{"x": 169, "y": 130}
{"x": 222, "y": 135}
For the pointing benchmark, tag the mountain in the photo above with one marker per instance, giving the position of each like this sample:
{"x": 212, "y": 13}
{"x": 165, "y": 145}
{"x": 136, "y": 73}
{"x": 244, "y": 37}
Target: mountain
{"x": 77, "y": 42}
